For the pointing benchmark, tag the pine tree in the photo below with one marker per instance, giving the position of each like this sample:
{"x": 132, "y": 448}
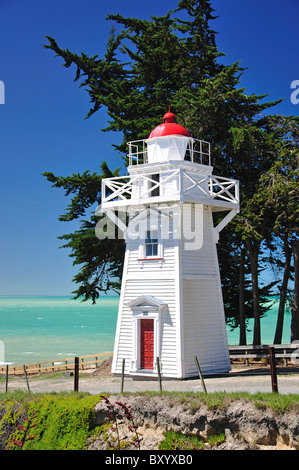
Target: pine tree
{"x": 282, "y": 181}
{"x": 100, "y": 261}
{"x": 148, "y": 65}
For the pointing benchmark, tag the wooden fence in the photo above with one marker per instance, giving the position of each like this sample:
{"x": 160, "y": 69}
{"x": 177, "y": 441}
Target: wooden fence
{"x": 285, "y": 352}
{"x": 85, "y": 362}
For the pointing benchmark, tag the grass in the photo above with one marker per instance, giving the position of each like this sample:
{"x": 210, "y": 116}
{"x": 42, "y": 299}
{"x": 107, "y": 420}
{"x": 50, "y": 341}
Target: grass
{"x": 175, "y": 441}
{"x": 275, "y": 401}
{"x": 46, "y": 375}
{"x": 221, "y": 400}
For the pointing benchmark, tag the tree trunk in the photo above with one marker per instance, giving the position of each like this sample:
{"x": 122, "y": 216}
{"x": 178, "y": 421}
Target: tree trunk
{"x": 253, "y": 249}
{"x": 295, "y": 301}
{"x": 242, "y": 340}
{"x": 283, "y": 294}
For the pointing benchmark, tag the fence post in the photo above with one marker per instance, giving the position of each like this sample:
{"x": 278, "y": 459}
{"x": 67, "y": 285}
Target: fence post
{"x": 76, "y": 375}
{"x": 6, "y": 379}
{"x": 159, "y": 374}
{"x": 200, "y": 375}
{"x": 122, "y": 376}
{"x": 273, "y": 369}
{"x": 25, "y": 373}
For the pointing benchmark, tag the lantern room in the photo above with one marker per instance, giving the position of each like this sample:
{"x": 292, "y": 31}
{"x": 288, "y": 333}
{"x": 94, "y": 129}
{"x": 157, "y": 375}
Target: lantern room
{"x": 169, "y": 142}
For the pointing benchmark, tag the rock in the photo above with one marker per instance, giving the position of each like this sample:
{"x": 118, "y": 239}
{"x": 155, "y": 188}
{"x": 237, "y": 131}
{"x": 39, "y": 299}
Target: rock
{"x": 244, "y": 425}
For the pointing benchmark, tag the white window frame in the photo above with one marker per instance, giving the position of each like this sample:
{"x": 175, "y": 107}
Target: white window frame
{"x": 151, "y": 311}
{"x": 151, "y": 240}
{"x": 142, "y": 247}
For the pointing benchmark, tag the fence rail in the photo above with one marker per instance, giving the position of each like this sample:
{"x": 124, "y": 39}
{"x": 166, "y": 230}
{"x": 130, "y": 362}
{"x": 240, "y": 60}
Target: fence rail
{"x": 85, "y": 362}
{"x": 282, "y": 351}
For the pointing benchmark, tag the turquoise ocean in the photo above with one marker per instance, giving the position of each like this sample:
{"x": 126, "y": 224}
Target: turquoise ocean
{"x": 34, "y": 329}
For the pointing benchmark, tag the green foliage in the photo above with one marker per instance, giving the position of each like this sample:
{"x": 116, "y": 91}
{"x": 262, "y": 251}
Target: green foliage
{"x": 65, "y": 421}
{"x": 62, "y": 422}
{"x": 100, "y": 261}
{"x": 175, "y": 441}
{"x": 174, "y": 60}
{"x": 276, "y": 402}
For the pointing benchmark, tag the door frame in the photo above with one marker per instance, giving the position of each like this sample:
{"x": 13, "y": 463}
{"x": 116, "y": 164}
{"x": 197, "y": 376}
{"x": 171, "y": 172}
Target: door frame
{"x": 146, "y": 307}
{"x": 136, "y": 356}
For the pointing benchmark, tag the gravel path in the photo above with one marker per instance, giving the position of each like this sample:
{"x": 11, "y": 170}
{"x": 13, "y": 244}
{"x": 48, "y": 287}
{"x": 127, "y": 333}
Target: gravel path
{"x": 250, "y": 380}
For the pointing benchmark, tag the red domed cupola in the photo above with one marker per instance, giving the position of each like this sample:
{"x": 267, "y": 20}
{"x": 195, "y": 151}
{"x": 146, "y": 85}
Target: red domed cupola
{"x": 169, "y": 127}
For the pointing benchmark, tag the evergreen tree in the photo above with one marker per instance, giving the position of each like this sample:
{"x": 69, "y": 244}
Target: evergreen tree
{"x": 145, "y": 68}
{"x": 148, "y": 65}
{"x": 282, "y": 183}
{"x": 100, "y": 261}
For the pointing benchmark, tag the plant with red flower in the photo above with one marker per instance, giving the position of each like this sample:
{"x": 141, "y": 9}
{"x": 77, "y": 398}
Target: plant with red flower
{"x": 117, "y": 415}
{"x": 25, "y": 431}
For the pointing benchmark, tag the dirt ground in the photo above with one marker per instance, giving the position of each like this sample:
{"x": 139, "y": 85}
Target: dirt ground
{"x": 253, "y": 379}
{"x": 104, "y": 370}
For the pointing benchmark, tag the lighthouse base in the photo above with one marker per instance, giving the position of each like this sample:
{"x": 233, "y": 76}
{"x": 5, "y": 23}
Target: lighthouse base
{"x": 147, "y": 376}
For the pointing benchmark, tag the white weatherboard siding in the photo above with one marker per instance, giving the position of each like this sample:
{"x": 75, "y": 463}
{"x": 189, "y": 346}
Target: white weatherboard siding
{"x": 150, "y": 278}
{"x": 204, "y": 331}
{"x": 162, "y": 289}
{"x": 192, "y": 324}
{"x": 201, "y": 261}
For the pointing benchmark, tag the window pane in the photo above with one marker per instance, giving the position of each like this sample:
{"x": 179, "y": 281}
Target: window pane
{"x": 151, "y": 236}
{"x": 148, "y": 236}
{"x": 151, "y": 243}
{"x": 154, "y": 236}
{"x": 149, "y": 250}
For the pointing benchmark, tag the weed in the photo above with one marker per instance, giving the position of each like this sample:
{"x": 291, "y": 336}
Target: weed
{"x": 118, "y": 419}
{"x": 175, "y": 441}
{"x": 23, "y": 431}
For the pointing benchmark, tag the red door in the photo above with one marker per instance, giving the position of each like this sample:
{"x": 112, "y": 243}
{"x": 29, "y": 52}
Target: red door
{"x": 147, "y": 344}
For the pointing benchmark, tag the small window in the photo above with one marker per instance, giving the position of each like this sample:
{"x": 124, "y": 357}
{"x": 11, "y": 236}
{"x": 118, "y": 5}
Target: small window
{"x": 151, "y": 243}
{"x": 189, "y": 153}
{"x": 154, "y": 180}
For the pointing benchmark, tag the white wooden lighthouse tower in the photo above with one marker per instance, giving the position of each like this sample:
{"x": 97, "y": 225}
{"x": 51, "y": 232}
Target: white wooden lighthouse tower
{"x": 171, "y": 303}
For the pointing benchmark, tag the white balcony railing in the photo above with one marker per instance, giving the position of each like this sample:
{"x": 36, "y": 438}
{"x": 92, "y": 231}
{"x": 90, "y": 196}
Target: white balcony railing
{"x": 171, "y": 185}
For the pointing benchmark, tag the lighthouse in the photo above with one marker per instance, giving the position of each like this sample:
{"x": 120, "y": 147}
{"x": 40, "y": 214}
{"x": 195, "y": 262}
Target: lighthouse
{"x": 171, "y": 304}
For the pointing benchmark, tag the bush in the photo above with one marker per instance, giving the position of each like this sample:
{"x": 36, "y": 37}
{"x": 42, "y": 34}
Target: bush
{"x": 61, "y": 422}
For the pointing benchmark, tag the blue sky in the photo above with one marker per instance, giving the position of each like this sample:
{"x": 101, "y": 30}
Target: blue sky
{"x": 42, "y": 126}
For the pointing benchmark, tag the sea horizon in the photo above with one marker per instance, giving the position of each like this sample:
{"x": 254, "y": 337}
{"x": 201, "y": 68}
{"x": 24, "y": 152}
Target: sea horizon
{"x": 36, "y": 328}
